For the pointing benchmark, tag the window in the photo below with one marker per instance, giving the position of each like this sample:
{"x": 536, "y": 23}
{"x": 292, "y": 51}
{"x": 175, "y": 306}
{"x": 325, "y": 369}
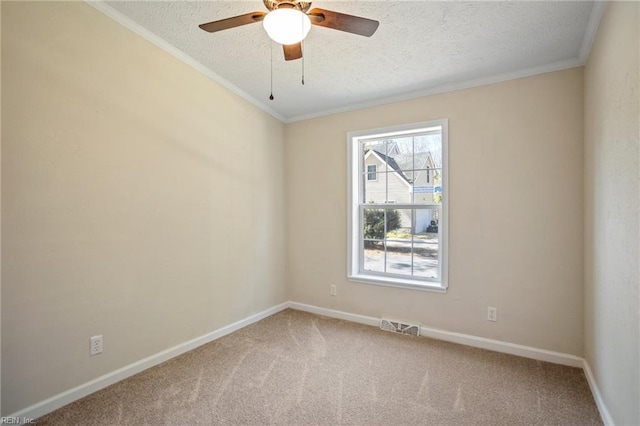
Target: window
{"x": 398, "y": 222}
{"x": 371, "y": 172}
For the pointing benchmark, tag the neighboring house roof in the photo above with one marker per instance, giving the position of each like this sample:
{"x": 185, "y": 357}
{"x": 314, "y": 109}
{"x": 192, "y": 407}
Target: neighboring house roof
{"x": 402, "y": 163}
{"x": 393, "y": 164}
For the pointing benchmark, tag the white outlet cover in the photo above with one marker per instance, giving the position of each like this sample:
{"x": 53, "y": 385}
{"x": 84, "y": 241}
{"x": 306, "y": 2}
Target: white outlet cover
{"x": 492, "y": 314}
{"x": 96, "y": 345}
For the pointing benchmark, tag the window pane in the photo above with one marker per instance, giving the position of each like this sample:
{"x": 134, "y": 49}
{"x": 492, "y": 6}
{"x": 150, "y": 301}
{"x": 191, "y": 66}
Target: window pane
{"x": 398, "y": 180}
{"x": 375, "y": 191}
{"x": 428, "y": 186}
{"x": 374, "y": 153}
{"x": 398, "y": 258}
{"x": 373, "y": 226}
{"x": 410, "y": 249}
{"x": 374, "y": 256}
{"x": 373, "y": 229}
{"x": 399, "y": 188}
{"x": 398, "y": 240}
{"x": 425, "y": 257}
{"x": 375, "y": 184}
{"x": 401, "y": 158}
{"x": 399, "y": 224}
{"x": 427, "y": 220}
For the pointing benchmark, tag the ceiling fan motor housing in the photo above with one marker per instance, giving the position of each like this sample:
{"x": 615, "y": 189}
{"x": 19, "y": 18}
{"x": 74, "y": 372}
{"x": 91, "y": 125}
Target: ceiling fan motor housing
{"x": 302, "y": 6}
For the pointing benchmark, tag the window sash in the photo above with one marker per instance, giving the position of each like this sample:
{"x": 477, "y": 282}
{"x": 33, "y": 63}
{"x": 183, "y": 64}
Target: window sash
{"x": 362, "y": 240}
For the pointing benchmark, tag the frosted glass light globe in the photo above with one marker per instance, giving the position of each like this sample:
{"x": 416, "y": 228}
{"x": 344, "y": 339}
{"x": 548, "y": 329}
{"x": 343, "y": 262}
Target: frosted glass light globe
{"x": 287, "y": 26}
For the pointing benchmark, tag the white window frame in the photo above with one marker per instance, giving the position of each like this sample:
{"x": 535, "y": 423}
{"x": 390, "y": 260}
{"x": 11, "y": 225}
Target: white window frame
{"x": 355, "y": 240}
{"x": 375, "y": 172}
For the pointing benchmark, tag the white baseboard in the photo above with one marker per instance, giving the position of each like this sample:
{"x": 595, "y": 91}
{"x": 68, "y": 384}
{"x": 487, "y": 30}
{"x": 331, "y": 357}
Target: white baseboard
{"x": 504, "y": 347}
{"x": 44, "y": 407}
{"x": 597, "y": 396}
{"x": 67, "y": 397}
{"x": 464, "y": 339}
{"x": 480, "y": 342}
{"x": 361, "y": 319}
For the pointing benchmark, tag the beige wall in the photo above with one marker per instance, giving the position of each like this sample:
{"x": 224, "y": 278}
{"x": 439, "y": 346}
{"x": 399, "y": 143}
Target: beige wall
{"x": 515, "y": 233}
{"x": 141, "y": 200}
{"x": 612, "y": 211}
{"x": 139, "y": 204}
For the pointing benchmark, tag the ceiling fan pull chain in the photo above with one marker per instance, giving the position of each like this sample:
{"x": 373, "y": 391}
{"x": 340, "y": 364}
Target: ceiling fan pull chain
{"x": 271, "y": 95}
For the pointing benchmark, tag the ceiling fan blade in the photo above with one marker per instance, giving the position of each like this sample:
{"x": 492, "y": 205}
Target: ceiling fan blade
{"x": 292, "y": 51}
{"x": 236, "y": 21}
{"x": 343, "y": 22}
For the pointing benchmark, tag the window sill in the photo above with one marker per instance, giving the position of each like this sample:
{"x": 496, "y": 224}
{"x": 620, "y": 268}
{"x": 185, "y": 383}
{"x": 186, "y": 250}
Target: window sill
{"x": 398, "y": 283}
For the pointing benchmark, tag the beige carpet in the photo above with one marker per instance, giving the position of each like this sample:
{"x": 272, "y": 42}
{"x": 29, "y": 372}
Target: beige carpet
{"x": 301, "y": 369}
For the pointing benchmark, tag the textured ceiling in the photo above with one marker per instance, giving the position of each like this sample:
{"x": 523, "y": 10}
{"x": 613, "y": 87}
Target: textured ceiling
{"x": 420, "y": 47}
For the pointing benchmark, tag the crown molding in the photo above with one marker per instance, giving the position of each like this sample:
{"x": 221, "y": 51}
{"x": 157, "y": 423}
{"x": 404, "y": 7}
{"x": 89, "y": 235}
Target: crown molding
{"x": 592, "y": 28}
{"x": 101, "y": 6}
{"x": 587, "y": 42}
{"x": 445, "y": 88}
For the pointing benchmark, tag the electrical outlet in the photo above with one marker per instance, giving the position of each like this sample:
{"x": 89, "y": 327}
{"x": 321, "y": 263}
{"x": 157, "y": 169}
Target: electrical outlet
{"x": 334, "y": 291}
{"x": 492, "y": 314}
{"x": 96, "y": 345}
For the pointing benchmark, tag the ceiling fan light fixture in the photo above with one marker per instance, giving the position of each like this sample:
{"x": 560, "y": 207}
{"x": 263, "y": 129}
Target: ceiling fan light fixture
{"x": 287, "y": 26}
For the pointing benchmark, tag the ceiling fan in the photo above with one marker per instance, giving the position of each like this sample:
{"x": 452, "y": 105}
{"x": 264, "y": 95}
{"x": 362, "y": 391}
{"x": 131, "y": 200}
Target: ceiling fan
{"x": 289, "y": 21}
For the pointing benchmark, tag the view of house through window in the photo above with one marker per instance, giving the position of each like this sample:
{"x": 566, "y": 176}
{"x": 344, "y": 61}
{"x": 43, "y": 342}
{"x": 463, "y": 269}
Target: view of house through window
{"x": 397, "y": 195}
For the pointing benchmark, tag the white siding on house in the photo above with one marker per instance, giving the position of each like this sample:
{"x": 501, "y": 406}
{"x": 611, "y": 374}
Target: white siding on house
{"x": 399, "y": 190}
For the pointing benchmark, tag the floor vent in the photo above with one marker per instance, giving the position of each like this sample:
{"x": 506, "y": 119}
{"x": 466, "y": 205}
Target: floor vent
{"x": 400, "y": 327}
